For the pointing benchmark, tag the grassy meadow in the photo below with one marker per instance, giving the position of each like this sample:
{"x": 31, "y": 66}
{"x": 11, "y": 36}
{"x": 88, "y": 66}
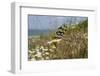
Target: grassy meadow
{"x": 66, "y": 42}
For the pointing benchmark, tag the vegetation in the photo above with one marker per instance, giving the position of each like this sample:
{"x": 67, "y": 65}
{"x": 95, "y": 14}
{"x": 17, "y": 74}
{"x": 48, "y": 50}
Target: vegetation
{"x": 67, "y": 42}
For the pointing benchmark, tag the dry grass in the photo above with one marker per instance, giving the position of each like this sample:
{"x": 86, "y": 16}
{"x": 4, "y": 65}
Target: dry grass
{"x": 73, "y": 44}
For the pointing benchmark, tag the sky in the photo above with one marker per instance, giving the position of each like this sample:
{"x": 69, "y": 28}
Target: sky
{"x": 43, "y": 22}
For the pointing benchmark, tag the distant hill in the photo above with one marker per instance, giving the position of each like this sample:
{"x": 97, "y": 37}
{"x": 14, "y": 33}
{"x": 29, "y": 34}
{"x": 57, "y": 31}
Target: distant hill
{"x": 33, "y": 32}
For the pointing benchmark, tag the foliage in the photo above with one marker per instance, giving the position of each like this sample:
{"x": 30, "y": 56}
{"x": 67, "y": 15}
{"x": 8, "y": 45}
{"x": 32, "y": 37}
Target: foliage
{"x": 73, "y": 43}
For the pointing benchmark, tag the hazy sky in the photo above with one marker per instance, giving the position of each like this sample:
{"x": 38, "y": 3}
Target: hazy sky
{"x": 51, "y": 22}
